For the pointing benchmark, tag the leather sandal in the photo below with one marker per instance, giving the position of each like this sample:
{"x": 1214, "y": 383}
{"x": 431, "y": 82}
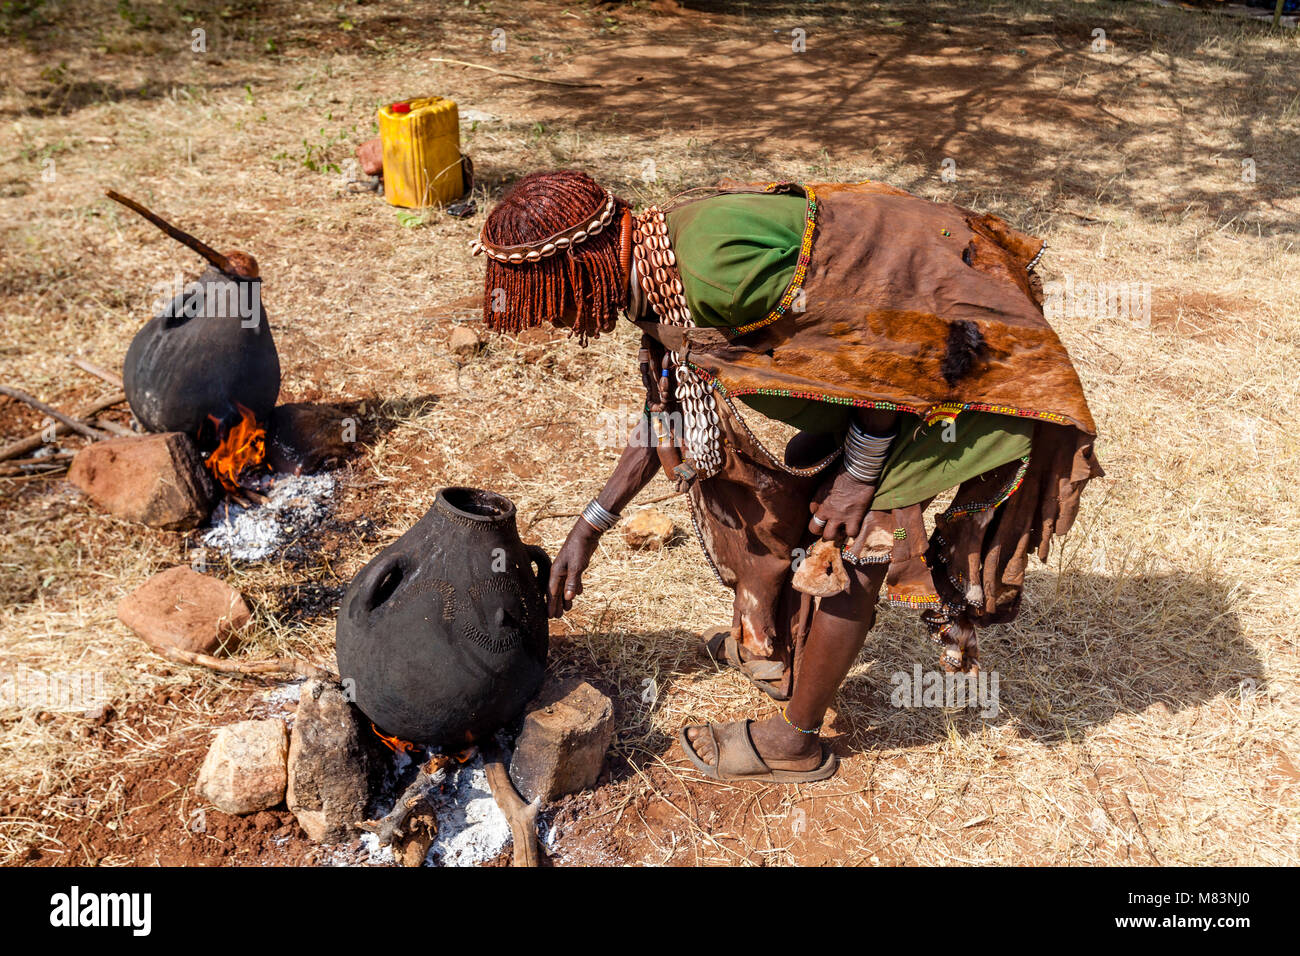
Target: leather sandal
{"x": 767, "y": 675}
{"x": 738, "y": 760}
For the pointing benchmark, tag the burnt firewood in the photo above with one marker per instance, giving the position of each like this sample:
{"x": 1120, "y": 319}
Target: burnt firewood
{"x": 392, "y": 826}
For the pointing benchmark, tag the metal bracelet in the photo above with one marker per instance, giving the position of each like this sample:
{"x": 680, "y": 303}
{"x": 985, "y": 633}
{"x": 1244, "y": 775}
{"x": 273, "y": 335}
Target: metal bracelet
{"x": 598, "y": 516}
{"x": 865, "y": 454}
{"x": 867, "y": 477}
{"x": 866, "y": 440}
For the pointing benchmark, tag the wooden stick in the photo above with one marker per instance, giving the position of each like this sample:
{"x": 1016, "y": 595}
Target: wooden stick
{"x": 112, "y": 426}
{"x": 272, "y": 665}
{"x": 521, "y": 816}
{"x": 24, "y": 445}
{"x": 43, "y": 475}
{"x": 517, "y": 76}
{"x": 54, "y": 413}
{"x": 391, "y": 827}
{"x": 105, "y": 374}
{"x": 43, "y": 460}
{"x": 38, "y": 467}
{"x": 184, "y": 238}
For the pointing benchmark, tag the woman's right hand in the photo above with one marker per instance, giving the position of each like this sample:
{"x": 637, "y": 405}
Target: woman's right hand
{"x": 566, "y": 570}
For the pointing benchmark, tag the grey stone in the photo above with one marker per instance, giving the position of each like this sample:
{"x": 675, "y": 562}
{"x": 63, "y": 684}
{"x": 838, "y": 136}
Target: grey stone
{"x": 329, "y": 769}
{"x": 561, "y": 749}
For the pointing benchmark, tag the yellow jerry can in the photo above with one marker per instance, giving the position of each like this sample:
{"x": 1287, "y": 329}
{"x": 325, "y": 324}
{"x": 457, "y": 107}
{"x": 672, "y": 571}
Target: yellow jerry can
{"x": 421, "y": 152}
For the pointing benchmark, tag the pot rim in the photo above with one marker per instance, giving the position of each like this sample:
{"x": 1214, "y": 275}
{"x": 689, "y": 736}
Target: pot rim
{"x": 506, "y": 513}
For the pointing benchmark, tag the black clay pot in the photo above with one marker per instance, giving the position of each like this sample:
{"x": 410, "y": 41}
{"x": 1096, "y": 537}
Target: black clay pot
{"x": 208, "y": 352}
{"x": 444, "y": 634}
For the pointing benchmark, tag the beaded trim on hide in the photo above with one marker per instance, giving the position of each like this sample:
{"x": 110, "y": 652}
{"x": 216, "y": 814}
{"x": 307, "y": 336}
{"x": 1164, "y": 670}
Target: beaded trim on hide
{"x": 658, "y": 278}
{"x": 955, "y": 578}
{"x": 942, "y": 407}
{"x": 776, "y": 462}
{"x": 1007, "y": 491}
{"x": 1034, "y": 261}
{"x": 801, "y": 267}
{"x": 699, "y": 536}
{"x": 870, "y": 557}
{"x": 913, "y": 600}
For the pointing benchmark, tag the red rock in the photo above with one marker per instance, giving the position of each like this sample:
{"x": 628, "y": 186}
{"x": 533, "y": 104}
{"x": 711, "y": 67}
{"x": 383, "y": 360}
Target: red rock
{"x": 155, "y": 479}
{"x": 370, "y": 155}
{"x": 561, "y": 749}
{"x": 464, "y": 343}
{"x": 184, "y": 609}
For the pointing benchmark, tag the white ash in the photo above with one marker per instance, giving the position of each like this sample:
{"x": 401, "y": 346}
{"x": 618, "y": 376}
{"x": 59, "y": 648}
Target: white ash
{"x": 296, "y": 504}
{"x": 365, "y": 851}
{"x": 471, "y": 827}
{"x": 549, "y": 835}
{"x": 377, "y": 855}
{"x": 285, "y": 693}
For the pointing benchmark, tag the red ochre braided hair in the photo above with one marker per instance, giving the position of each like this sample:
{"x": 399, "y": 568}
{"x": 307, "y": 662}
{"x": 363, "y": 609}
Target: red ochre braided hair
{"x": 585, "y": 278}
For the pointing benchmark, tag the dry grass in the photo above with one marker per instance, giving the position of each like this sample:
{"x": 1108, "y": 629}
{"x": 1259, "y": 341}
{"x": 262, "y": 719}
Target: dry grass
{"x": 1148, "y": 691}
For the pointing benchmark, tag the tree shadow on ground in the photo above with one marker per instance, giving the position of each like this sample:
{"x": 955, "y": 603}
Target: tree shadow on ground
{"x": 969, "y": 89}
{"x": 1086, "y": 649}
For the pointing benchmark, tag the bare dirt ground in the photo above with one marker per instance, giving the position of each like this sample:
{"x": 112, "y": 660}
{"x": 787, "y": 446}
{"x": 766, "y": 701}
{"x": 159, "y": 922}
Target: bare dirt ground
{"x": 1148, "y": 692}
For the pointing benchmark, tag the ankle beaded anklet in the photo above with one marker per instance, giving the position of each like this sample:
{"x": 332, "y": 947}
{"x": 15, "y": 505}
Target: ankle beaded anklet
{"x": 796, "y": 726}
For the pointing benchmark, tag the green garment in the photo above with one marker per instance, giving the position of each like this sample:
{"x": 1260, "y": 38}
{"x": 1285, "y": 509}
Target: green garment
{"x": 737, "y": 255}
{"x": 924, "y": 462}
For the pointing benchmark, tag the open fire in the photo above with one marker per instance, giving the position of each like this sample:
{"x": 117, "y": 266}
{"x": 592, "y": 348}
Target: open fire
{"x": 395, "y": 744}
{"x": 243, "y": 446}
{"x": 399, "y": 746}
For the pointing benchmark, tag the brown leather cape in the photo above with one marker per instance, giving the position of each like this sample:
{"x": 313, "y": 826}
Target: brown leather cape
{"x": 886, "y": 281}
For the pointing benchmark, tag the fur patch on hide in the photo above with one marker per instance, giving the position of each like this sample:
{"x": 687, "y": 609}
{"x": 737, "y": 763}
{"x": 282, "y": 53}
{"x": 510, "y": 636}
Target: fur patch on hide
{"x": 822, "y": 573}
{"x": 965, "y": 342}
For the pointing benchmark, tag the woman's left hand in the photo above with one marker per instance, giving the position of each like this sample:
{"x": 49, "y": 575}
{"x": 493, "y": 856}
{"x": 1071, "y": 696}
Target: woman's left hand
{"x": 842, "y": 503}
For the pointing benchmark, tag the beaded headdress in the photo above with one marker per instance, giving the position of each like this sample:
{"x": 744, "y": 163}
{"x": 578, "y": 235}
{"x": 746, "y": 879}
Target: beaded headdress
{"x": 532, "y": 251}
{"x": 552, "y": 251}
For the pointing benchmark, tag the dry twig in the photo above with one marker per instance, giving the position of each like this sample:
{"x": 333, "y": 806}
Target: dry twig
{"x": 24, "y": 445}
{"x": 111, "y": 378}
{"x": 391, "y": 827}
{"x": 517, "y": 76}
{"x": 273, "y": 665}
{"x": 54, "y": 413}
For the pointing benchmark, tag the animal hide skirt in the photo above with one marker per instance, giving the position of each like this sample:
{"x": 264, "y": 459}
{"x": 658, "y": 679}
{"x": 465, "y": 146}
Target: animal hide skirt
{"x": 927, "y": 309}
{"x": 969, "y": 570}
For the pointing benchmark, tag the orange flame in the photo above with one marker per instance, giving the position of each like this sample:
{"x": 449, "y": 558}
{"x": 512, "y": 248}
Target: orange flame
{"x": 242, "y": 447}
{"x": 396, "y": 744}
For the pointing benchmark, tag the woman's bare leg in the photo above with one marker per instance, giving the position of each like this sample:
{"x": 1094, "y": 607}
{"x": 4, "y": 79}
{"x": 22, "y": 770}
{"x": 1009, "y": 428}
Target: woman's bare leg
{"x": 838, "y": 631}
